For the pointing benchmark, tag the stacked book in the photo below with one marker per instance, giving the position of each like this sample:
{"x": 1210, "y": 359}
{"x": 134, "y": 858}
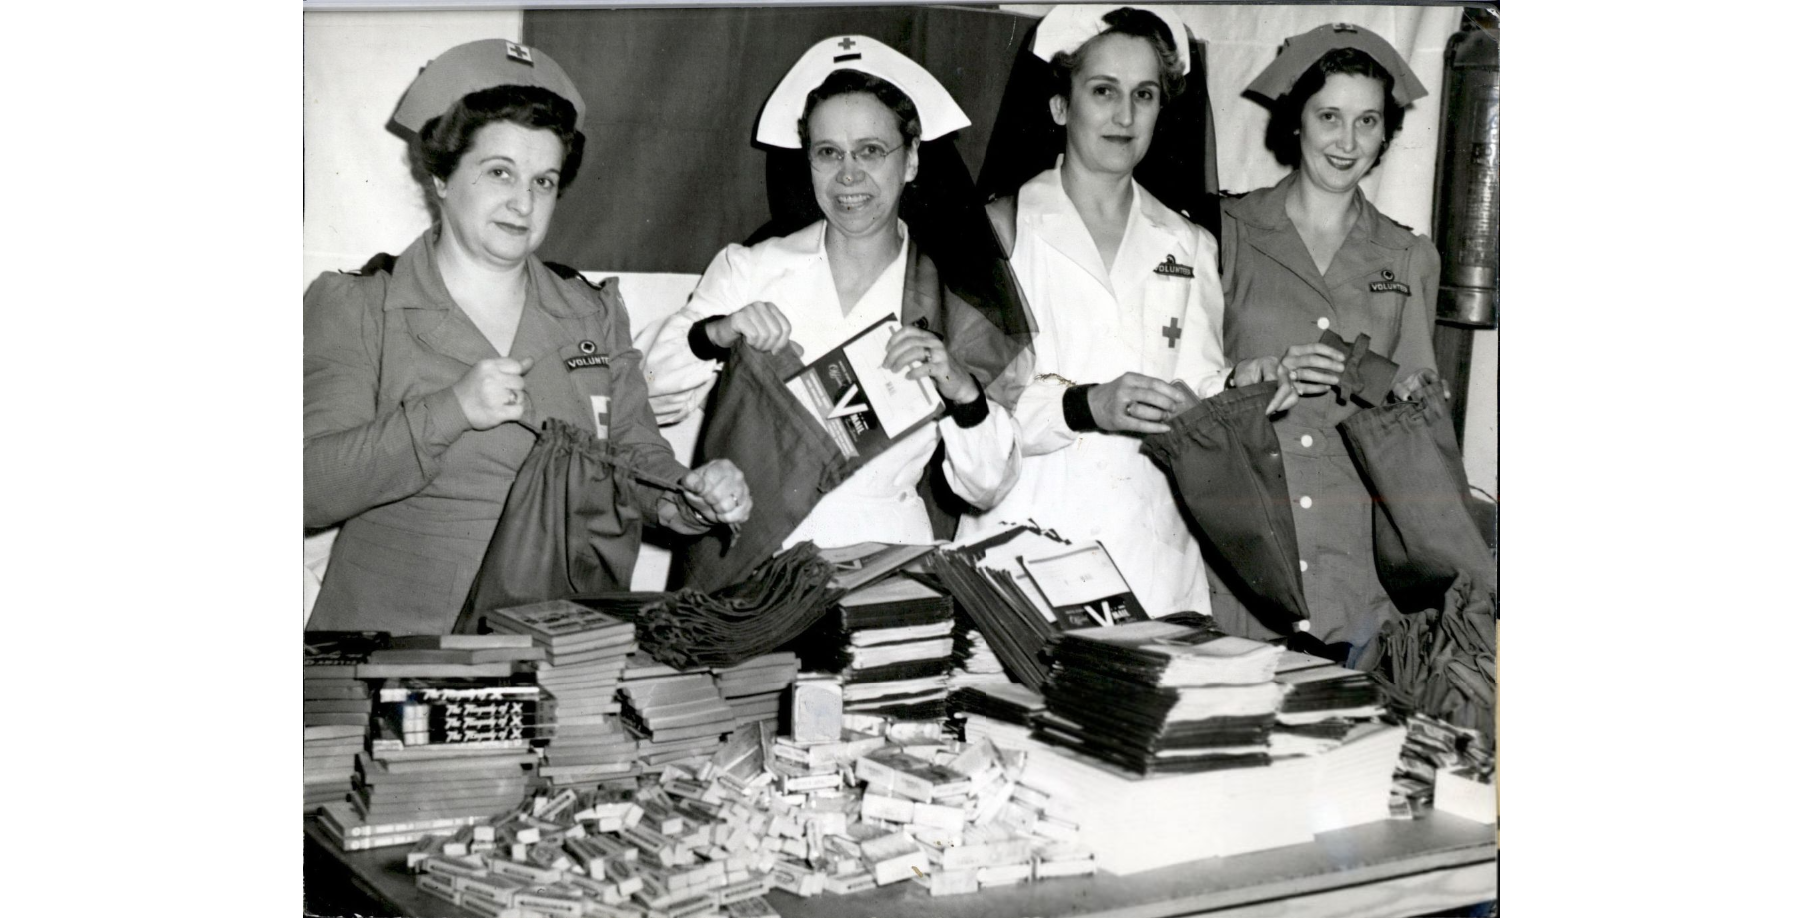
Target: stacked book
{"x": 677, "y": 717}
{"x": 1003, "y": 709}
{"x": 335, "y": 711}
{"x": 413, "y": 791}
{"x": 755, "y": 687}
{"x": 975, "y": 662}
{"x": 585, "y": 647}
{"x": 890, "y": 645}
{"x": 1023, "y": 587}
{"x": 1321, "y": 706}
{"x": 1156, "y": 697}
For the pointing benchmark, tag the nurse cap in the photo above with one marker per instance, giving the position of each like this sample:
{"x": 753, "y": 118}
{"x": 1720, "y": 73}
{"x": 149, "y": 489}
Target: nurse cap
{"x": 1299, "y": 52}
{"x": 779, "y": 125}
{"x": 476, "y": 66}
{"x": 1065, "y": 29}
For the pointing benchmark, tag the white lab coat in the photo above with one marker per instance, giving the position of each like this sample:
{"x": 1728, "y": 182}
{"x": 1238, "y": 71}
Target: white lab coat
{"x": 878, "y": 502}
{"x": 1094, "y": 325}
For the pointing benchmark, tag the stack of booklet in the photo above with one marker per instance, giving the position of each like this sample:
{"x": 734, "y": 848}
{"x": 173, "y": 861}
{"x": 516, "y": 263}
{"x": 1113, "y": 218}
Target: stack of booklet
{"x": 755, "y": 687}
{"x": 410, "y": 790}
{"x": 678, "y": 717}
{"x": 1156, "y": 697}
{"x": 335, "y": 710}
{"x": 1005, "y": 708}
{"x": 1322, "y": 703}
{"x": 584, "y": 649}
{"x": 975, "y": 661}
{"x": 1022, "y": 588}
{"x": 889, "y": 643}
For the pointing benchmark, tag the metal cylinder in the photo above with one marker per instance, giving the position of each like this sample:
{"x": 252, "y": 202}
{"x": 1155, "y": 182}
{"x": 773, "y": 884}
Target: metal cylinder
{"x": 1468, "y": 213}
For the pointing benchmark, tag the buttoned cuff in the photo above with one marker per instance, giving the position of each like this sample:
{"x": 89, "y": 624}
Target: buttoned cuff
{"x": 1077, "y": 415}
{"x": 971, "y": 413}
{"x": 702, "y": 344}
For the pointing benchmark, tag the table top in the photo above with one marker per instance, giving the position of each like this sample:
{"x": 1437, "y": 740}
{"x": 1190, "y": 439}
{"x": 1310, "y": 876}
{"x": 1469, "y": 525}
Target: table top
{"x": 1439, "y": 861}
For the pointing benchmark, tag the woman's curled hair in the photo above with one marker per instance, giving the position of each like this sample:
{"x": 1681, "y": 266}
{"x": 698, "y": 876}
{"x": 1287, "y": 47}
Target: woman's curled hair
{"x": 444, "y": 139}
{"x": 1136, "y": 23}
{"x": 846, "y": 82}
{"x": 1283, "y": 136}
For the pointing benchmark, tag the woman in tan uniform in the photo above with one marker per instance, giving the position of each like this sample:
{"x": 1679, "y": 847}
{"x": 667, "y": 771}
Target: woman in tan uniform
{"x": 1309, "y": 255}
{"x": 417, "y": 367}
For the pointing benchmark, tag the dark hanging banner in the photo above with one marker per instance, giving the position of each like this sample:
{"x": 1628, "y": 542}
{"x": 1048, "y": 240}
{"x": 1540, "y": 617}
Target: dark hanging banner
{"x": 671, "y": 174}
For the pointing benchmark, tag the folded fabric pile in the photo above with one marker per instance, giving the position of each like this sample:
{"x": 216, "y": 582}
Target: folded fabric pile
{"x": 1441, "y": 662}
{"x": 783, "y": 598}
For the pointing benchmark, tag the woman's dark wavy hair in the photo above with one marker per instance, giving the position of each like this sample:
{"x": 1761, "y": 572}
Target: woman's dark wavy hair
{"x": 1136, "y": 23}
{"x": 1283, "y": 136}
{"x": 846, "y": 82}
{"x": 444, "y": 139}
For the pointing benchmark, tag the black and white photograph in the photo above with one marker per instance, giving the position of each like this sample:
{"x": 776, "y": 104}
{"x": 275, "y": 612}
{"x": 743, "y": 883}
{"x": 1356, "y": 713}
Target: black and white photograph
{"x": 901, "y": 460}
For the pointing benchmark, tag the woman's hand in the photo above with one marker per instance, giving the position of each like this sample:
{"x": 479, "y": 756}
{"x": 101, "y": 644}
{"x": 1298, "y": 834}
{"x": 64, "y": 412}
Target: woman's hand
{"x": 915, "y": 354}
{"x": 761, "y": 325}
{"x": 1312, "y": 368}
{"x": 716, "y": 493}
{"x": 493, "y": 392}
{"x": 1406, "y": 387}
{"x": 1261, "y": 369}
{"x": 1134, "y": 403}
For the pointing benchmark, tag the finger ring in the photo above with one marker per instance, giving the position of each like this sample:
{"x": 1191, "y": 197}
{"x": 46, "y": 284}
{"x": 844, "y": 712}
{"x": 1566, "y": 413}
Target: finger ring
{"x": 512, "y": 396}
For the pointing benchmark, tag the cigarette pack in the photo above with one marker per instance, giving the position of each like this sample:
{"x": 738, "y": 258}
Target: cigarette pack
{"x": 950, "y": 882}
{"x": 1004, "y": 875}
{"x": 850, "y": 883}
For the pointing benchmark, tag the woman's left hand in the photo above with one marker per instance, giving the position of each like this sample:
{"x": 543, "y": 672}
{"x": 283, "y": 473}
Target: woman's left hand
{"x": 716, "y": 493}
{"x": 1406, "y": 387}
{"x": 917, "y": 354}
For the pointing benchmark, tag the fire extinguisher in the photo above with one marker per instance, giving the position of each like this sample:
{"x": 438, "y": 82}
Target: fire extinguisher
{"x": 1468, "y": 213}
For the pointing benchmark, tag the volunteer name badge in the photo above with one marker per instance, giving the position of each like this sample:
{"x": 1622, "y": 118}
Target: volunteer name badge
{"x": 1390, "y": 285}
{"x": 1171, "y": 269}
{"x": 588, "y": 358}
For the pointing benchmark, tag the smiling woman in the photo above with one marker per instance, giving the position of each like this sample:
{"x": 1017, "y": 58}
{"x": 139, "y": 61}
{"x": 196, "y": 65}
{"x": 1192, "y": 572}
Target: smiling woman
{"x": 427, "y": 374}
{"x": 857, "y": 111}
{"x": 1128, "y": 301}
{"x": 1309, "y": 255}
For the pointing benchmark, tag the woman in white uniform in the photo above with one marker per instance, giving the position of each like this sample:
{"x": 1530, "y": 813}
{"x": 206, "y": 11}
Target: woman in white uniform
{"x": 859, "y": 110}
{"x": 1127, "y": 296}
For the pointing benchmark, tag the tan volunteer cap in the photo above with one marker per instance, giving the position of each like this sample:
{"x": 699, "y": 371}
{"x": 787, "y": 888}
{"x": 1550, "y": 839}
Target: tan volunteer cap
{"x": 476, "y": 66}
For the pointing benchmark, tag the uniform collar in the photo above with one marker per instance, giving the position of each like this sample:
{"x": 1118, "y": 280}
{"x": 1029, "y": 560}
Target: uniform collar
{"x": 419, "y": 293}
{"x": 1372, "y": 241}
{"x": 1153, "y": 231}
{"x": 1264, "y": 209}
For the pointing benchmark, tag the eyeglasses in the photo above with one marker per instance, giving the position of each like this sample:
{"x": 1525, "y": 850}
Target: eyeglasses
{"x": 828, "y": 158}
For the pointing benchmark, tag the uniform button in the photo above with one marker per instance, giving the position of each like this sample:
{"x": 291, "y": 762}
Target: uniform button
{"x": 1323, "y": 322}
{"x": 1304, "y": 565}
{"x": 901, "y": 498}
{"x": 1307, "y": 440}
{"x": 1306, "y": 501}
{"x": 1304, "y": 625}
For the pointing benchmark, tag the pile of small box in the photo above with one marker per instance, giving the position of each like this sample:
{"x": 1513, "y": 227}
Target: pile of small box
{"x": 885, "y": 802}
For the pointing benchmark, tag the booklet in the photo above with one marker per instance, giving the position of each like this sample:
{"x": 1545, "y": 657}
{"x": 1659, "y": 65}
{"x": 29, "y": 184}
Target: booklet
{"x": 864, "y": 407}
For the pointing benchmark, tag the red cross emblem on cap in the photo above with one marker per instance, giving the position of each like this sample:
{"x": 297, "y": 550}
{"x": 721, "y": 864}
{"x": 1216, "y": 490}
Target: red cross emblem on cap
{"x": 847, "y": 43}
{"x": 520, "y": 53}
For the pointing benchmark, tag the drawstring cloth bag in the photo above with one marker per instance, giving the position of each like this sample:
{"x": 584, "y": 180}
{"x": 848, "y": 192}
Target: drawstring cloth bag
{"x": 570, "y": 526}
{"x": 1423, "y": 533}
{"x": 782, "y": 599}
{"x": 1227, "y": 466}
{"x": 788, "y": 460}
